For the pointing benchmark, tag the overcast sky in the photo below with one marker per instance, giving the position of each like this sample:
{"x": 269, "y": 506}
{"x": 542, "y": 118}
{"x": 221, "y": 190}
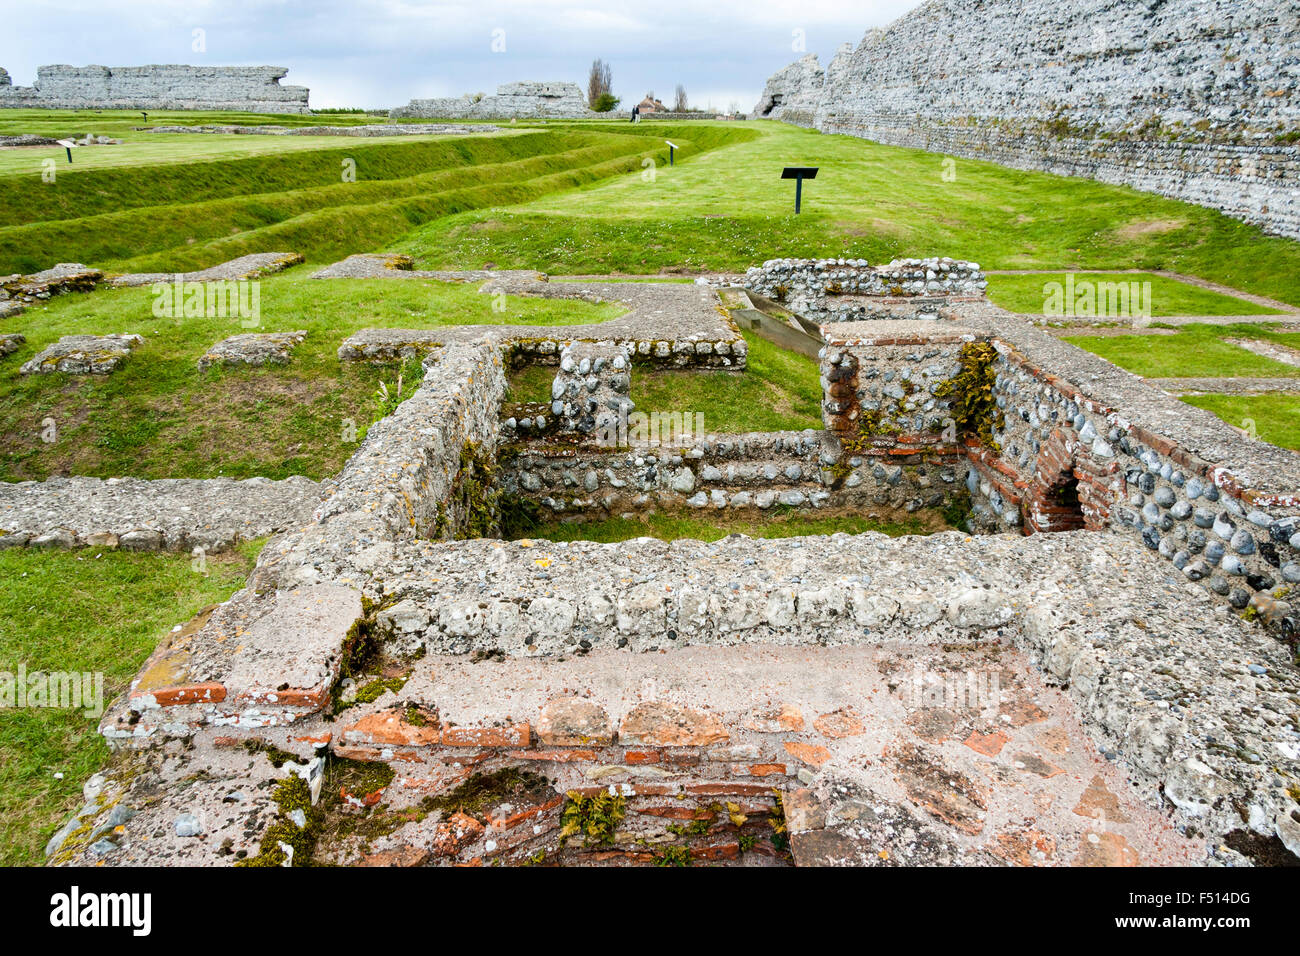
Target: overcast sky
{"x": 384, "y": 52}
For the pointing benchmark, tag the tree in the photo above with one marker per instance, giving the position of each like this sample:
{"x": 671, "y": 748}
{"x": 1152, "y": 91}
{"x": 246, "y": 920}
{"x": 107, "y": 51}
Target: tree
{"x": 679, "y": 103}
{"x": 600, "y": 83}
{"x": 605, "y": 103}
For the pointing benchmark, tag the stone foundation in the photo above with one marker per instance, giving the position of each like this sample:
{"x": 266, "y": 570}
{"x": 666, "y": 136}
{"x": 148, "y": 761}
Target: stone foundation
{"x": 383, "y": 664}
{"x": 851, "y": 290}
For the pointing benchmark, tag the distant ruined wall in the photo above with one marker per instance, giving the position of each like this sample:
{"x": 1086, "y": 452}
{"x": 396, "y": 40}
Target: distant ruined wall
{"x": 512, "y": 101}
{"x": 794, "y": 93}
{"x": 1198, "y": 100}
{"x": 254, "y": 89}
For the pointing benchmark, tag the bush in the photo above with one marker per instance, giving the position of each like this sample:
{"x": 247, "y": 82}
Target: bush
{"x": 605, "y": 103}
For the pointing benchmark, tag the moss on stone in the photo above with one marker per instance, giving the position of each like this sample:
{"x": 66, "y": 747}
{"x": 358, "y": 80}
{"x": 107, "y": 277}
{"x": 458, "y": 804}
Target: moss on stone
{"x": 972, "y": 404}
{"x": 596, "y": 817}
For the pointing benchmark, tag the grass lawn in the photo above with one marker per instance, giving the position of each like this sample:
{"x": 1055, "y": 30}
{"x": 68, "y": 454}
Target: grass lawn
{"x": 194, "y": 205}
{"x": 1194, "y": 351}
{"x": 727, "y": 209}
{"x": 774, "y": 524}
{"x": 160, "y": 417}
{"x": 778, "y": 391}
{"x": 1276, "y": 416}
{"x": 83, "y": 611}
{"x": 1025, "y": 294}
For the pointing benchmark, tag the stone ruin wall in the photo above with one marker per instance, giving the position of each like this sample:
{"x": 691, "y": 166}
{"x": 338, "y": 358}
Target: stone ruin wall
{"x": 1190, "y": 99}
{"x": 373, "y": 558}
{"x": 1063, "y": 459}
{"x": 852, "y": 290}
{"x": 512, "y": 101}
{"x": 253, "y": 89}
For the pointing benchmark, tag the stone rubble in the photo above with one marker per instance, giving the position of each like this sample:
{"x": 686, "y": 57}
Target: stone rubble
{"x": 253, "y": 348}
{"x": 83, "y": 355}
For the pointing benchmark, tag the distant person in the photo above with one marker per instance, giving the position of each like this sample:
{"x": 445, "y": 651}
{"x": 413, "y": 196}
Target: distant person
{"x": 636, "y": 114}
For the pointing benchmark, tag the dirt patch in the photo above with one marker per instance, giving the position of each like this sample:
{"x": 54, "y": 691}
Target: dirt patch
{"x": 1142, "y": 228}
{"x": 1269, "y": 350}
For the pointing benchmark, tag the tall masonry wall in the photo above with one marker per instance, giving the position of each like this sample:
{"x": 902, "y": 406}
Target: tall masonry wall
{"x": 1196, "y": 100}
{"x": 512, "y": 101}
{"x": 254, "y": 89}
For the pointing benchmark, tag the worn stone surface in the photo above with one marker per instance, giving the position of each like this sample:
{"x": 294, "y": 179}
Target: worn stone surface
{"x": 253, "y": 348}
{"x": 11, "y": 342}
{"x": 64, "y": 277}
{"x": 256, "y": 661}
{"x": 251, "y": 266}
{"x": 686, "y": 768}
{"x": 83, "y": 355}
{"x": 175, "y": 514}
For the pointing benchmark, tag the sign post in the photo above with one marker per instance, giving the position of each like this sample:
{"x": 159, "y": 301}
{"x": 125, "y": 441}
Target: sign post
{"x": 672, "y": 150}
{"x": 799, "y": 174}
{"x": 67, "y": 144}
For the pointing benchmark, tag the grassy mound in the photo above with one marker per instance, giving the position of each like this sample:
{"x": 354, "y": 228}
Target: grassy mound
{"x": 182, "y": 214}
{"x": 729, "y": 209}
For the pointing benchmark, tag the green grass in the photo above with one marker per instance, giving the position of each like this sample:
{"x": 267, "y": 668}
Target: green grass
{"x": 1195, "y": 351}
{"x": 728, "y": 209}
{"x": 188, "y": 210}
{"x": 158, "y": 416}
{"x": 1276, "y": 415}
{"x": 1026, "y": 294}
{"x": 779, "y": 391}
{"x": 123, "y": 122}
{"x": 82, "y": 611}
{"x": 777, "y": 524}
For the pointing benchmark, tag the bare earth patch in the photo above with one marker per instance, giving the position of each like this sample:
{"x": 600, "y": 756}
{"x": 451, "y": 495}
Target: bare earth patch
{"x": 1271, "y": 350}
{"x": 1142, "y": 228}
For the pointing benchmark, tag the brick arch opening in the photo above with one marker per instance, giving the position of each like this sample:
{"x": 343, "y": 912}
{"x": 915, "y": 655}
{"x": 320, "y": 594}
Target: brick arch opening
{"x": 1056, "y": 495}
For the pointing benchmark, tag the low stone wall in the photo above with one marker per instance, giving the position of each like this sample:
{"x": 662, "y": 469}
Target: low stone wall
{"x": 172, "y": 514}
{"x": 253, "y": 89}
{"x": 886, "y": 381}
{"x": 753, "y": 472}
{"x": 369, "y": 130}
{"x": 1116, "y": 453}
{"x": 841, "y": 290}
